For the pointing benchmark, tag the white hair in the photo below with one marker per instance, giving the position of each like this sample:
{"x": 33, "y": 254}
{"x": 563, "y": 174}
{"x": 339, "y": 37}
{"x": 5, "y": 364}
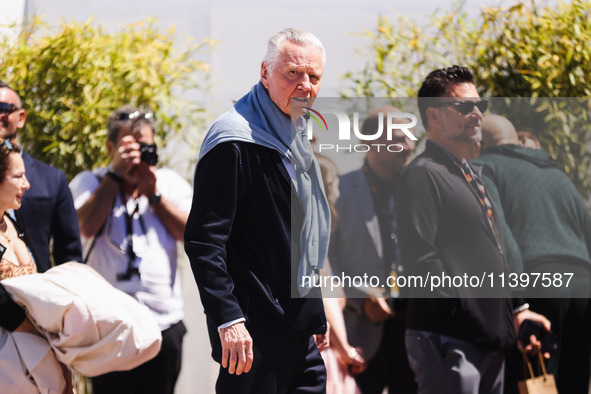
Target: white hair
{"x": 300, "y": 37}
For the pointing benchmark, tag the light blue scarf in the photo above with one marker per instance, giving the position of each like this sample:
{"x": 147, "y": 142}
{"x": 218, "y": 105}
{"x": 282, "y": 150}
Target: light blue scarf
{"x": 256, "y": 119}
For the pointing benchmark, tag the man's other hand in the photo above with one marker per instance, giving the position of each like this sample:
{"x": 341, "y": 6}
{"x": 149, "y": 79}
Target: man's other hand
{"x": 146, "y": 179}
{"x": 376, "y": 309}
{"x": 127, "y": 155}
{"x": 534, "y": 345}
{"x": 322, "y": 340}
{"x": 237, "y": 353}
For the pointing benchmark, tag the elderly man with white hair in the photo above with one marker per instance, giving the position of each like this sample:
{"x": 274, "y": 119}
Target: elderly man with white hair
{"x": 260, "y": 220}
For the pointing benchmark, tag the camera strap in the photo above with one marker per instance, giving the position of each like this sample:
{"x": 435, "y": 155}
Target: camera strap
{"x": 101, "y": 229}
{"x": 132, "y": 269}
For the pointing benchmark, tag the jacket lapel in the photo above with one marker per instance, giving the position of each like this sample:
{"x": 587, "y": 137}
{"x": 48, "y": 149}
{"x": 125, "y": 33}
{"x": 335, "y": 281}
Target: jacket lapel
{"x": 367, "y": 210}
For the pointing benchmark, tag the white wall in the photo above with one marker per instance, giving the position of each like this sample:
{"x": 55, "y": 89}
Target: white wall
{"x": 10, "y": 16}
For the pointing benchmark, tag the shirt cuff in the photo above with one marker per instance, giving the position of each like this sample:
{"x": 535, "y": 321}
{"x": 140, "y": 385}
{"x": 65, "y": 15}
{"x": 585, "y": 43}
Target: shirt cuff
{"x": 520, "y": 309}
{"x": 230, "y": 323}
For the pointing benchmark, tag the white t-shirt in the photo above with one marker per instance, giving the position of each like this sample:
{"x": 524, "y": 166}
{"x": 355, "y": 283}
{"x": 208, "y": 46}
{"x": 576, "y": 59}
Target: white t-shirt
{"x": 156, "y": 250}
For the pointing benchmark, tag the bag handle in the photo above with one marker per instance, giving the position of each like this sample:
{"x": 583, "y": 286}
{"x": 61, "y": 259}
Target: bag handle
{"x": 540, "y": 362}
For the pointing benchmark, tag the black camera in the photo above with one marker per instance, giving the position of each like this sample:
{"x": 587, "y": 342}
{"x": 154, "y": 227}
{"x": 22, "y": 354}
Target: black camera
{"x": 547, "y": 338}
{"x": 149, "y": 153}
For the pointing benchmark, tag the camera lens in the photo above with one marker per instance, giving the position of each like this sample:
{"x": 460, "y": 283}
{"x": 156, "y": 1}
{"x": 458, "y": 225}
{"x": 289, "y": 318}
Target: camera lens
{"x": 149, "y": 153}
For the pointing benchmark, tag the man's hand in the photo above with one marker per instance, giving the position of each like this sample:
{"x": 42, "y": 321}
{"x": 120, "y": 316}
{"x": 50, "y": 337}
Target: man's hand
{"x": 146, "y": 179}
{"x": 25, "y": 326}
{"x": 127, "y": 155}
{"x": 376, "y": 309}
{"x": 355, "y": 361}
{"x": 237, "y": 353}
{"x": 322, "y": 340}
{"x": 534, "y": 345}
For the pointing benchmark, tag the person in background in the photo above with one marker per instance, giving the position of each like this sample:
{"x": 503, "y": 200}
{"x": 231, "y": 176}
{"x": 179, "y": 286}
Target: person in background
{"x": 131, "y": 217}
{"x": 550, "y": 225}
{"x": 456, "y": 341}
{"x": 528, "y": 140}
{"x": 342, "y": 360}
{"x": 15, "y": 256}
{"x": 364, "y": 243}
{"x": 47, "y": 208}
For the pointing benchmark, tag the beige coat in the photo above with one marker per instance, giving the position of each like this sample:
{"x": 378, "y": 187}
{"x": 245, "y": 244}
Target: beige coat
{"x": 83, "y": 321}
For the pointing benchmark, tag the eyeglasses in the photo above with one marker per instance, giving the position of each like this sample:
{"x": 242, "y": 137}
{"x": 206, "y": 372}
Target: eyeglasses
{"x": 7, "y": 144}
{"x": 464, "y": 107}
{"x": 133, "y": 115}
{"x": 8, "y": 108}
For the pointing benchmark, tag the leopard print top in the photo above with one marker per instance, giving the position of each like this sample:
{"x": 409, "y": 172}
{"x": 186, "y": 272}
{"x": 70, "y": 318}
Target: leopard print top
{"x": 16, "y": 259}
{"x": 10, "y": 270}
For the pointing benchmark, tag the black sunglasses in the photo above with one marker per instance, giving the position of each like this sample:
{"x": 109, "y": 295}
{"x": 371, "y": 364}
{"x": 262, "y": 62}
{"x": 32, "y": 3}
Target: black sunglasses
{"x": 464, "y": 107}
{"x": 133, "y": 115}
{"x": 8, "y": 108}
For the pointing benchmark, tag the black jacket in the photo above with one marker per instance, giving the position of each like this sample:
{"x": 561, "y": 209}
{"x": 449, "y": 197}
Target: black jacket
{"x": 11, "y": 314}
{"x": 443, "y": 229}
{"x": 48, "y": 212}
{"x": 238, "y": 239}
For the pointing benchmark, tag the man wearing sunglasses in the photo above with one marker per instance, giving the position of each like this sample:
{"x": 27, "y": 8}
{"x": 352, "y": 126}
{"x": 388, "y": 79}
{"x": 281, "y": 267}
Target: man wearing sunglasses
{"x": 456, "y": 339}
{"x": 47, "y": 208}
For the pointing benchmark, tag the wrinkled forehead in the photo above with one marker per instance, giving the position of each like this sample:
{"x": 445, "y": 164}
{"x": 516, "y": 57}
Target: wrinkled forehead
{"x": 301, "y": 56}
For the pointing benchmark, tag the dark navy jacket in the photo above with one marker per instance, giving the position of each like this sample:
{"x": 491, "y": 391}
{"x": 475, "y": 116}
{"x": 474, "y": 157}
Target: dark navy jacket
{"x": 238, "y": 239}
{"x": 48, "y": 211}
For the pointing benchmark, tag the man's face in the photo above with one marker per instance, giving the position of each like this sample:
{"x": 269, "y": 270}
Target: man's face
{"x": 392, "y": 161}
{"x": 296, "y": 74}
{"x": 129, "y": 139}
{"x": 142, "y": 134}
{"x": 456, "y": 126}
{"x": 10, "y": 123}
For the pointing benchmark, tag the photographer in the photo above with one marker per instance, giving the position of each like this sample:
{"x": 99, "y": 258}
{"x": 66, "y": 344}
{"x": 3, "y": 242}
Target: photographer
{"x": 131, "y": 216}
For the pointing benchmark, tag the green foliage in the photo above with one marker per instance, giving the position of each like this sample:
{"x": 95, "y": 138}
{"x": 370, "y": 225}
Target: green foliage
{"x": 544, "y": 53}
{"x": 401, "y": 53}
{"x": 518, "y": 51}
{"x": 73, "y": 78}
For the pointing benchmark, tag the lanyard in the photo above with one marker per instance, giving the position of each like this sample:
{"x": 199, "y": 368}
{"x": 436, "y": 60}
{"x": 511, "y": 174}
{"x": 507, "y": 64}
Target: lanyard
{"x": 383, "y": 197}
{"x": 132, "y": 268}
{"x": 478, "y": 189}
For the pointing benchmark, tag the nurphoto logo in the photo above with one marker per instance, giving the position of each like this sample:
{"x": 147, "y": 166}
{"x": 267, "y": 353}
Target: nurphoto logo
{"x": 349, "y": 128}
